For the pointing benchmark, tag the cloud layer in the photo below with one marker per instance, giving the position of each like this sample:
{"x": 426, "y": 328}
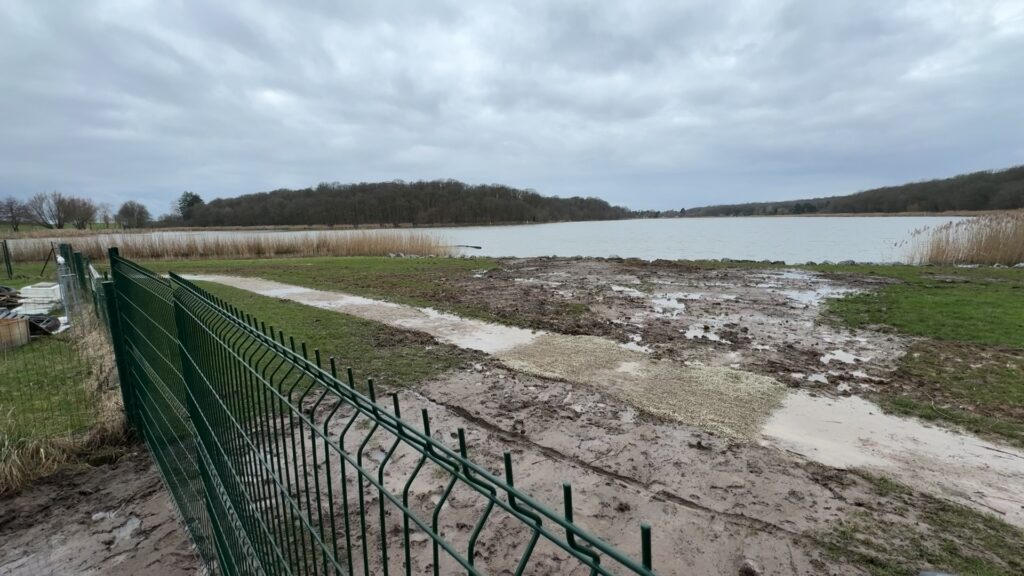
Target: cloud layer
{"x": 650, "y": 104}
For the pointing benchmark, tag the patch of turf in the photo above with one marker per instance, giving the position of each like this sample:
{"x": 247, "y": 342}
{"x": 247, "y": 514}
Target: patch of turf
{"x": 42, "y": 391}
{"x": 982, "y": 305}
{"x": 28, "y": 273}
{"x": 1007, "y": 430}
{"x": 971, "y": 370}
{"x": 390, "y": 356}
{"x": 910, "y": 532}
{"x": 413, "y": 281}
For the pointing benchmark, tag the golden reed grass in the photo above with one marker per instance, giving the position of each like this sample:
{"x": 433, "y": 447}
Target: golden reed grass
{"x": 179, "y": 245}
{"x": 989, "y": 239}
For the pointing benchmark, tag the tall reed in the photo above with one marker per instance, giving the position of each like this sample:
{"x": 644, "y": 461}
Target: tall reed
{"x": 989, "y": 239}
{"x": 178, "y": 245}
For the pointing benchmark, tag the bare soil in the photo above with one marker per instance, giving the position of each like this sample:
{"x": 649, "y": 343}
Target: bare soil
{"x": 110, "y": 519}
{"x": 763, "y": 321}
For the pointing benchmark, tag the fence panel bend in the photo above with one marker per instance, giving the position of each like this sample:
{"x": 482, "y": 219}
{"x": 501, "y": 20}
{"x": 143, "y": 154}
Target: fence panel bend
{"x": 281, "y": 466}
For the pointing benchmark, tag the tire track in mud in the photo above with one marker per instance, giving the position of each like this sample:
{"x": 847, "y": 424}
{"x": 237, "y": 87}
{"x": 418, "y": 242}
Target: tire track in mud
{"x": 659, "y": 495}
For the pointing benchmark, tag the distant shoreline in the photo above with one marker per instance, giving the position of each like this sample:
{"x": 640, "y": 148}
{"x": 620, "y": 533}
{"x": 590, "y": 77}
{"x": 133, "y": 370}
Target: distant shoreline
{"x": 73, "y": 232}
{"x": 963, "y": 213}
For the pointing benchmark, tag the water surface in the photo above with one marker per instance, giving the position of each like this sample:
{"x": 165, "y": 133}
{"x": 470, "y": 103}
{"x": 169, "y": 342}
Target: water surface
{"x": 792, "y": 239}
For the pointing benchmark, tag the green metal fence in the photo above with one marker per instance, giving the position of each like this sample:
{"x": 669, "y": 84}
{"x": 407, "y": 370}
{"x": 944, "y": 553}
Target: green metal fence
{"x": 280, "y": 466}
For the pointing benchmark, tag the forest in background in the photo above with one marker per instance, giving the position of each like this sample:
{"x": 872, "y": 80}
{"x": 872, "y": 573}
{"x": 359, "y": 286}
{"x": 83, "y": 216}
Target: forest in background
{"x": 450, "y": 202}
{"x": 986, "y": 190}
{"x": 436, "y": 202}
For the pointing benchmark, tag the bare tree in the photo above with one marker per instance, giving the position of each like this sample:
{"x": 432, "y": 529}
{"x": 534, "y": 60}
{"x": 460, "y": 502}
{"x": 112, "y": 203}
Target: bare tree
{"x": 133, "y": 215}
{"x": 81, "y": 212}
{"x": 49, "y": 210}
{"x": 106, "y": 214}
{"x": 13, "y": 212}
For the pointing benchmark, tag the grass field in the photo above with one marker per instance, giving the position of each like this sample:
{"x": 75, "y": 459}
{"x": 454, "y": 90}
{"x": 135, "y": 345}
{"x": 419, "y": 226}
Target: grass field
{"x": 413, "y": 281}
{"x": 981, "y": 305}
{"x": 969, "y": 368}
{"x": 41, "y": 390}
{"x": 390, "y": 356}
{"x": 28, "y": 273}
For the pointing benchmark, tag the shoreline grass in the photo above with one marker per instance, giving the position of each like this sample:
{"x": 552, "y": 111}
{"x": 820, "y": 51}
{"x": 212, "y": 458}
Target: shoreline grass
{"x": 989, "y": 239}
{"x": 184, "y": 245}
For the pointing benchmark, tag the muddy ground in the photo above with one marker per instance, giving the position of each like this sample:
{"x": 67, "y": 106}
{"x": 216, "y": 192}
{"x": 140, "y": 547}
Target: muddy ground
{"x": 578, "y": 408}
{"x": 111, "y": 519}
{"x": 763, "y": 321}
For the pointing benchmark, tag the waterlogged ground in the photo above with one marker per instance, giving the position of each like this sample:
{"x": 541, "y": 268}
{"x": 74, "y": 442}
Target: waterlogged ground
{"x": 757, "y": 422}
{"x": 728, "y": 357}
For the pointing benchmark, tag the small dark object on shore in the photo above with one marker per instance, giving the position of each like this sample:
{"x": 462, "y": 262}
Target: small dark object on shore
{"x": 9, "y": 298}
{"x": 43, "y": 325}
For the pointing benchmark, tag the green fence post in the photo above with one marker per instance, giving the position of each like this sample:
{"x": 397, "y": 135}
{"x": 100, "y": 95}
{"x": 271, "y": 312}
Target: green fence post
{"x": 7, "y": 261}
{"x": 79, "y": 267}
{"x": 117, "y": 341}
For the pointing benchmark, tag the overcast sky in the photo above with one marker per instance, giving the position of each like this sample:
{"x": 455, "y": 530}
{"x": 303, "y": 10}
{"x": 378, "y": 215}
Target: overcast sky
{"x": 649, "y": 104}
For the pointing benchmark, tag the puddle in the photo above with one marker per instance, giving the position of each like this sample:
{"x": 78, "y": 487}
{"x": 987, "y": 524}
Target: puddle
{"x": 448, "y": 328}
{"x": 816, "y": 296}
{"x": 125, "y": 532}
{"x": 842, "y": 356}
{"x": 819, "y": 378}
{"x": 701, "y": 332}
{"x": 278, "y": 292}
{"x": 853, "y": 432}
{"x": 794, "y": 275}
{"x": 628, "y": 291}
{"x": 668, "y": 306}
{"x": 636, "y": 347}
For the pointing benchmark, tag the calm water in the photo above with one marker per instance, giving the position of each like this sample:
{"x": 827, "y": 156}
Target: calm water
{"x": 793, "y": 239}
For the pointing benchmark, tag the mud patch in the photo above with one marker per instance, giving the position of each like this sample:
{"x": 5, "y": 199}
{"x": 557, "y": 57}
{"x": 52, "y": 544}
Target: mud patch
{"x": 853, "y": 432}
{"x": 728, "y": 401}
{"x": 763, "y": 321}
{"x": 114, "y": 519}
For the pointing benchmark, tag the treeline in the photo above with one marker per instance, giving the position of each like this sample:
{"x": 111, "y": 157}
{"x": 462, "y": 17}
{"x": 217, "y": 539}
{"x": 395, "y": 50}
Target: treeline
{"x": 57, "y": 211}
{"x": 987, "y": 190}
{"x": 435, "y": 202}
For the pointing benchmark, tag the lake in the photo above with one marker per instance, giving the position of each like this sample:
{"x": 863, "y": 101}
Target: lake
{"x": 792, "y": 239}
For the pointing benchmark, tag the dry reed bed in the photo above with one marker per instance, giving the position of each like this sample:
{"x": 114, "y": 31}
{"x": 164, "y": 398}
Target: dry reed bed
{"x": 990, "y": 239}
{"x": 242, "y": 245}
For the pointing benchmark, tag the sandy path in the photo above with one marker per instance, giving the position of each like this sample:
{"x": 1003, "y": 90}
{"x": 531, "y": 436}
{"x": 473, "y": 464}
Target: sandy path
{"x": 839, "y": 433}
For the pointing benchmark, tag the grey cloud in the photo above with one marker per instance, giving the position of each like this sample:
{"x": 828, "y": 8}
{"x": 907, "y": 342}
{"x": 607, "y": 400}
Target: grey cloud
{"x": 650, "y": 104}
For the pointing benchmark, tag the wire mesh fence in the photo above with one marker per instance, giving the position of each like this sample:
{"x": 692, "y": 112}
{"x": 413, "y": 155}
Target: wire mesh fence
{"x": 280, "y": 466}
{"x": 56, "y": 364}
